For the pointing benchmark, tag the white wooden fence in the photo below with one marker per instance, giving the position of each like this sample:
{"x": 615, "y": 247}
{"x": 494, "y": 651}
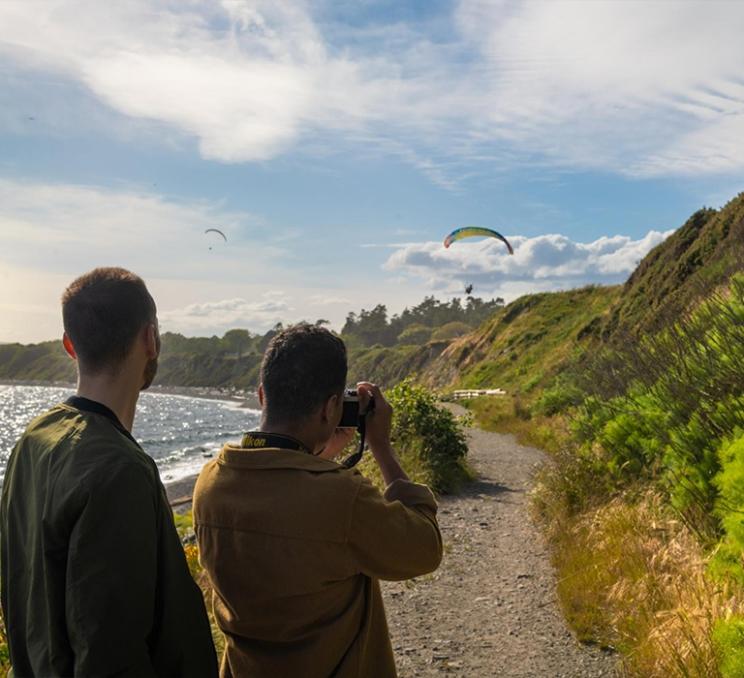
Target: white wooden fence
{"x": 475, "y": 393}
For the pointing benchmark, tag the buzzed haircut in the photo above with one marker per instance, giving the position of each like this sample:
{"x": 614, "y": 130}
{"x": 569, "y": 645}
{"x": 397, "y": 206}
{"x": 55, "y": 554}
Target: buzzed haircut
{"x": 102, "y": 312}
{"x": 302, "y": 367}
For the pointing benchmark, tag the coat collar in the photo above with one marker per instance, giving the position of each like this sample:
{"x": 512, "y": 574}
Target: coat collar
{"x": 94, "y": 407}
{"x": 274, "y": 458}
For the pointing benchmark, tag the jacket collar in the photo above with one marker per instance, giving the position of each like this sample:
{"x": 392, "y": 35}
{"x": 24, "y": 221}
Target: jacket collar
{"x": 94, "y": 407}
{"x": 274, "y": 458}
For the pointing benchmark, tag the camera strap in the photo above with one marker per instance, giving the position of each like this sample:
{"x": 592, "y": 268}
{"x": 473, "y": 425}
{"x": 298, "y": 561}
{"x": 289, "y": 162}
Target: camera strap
{"x": 354, "y": 459}
{"x": 258, "y": 440}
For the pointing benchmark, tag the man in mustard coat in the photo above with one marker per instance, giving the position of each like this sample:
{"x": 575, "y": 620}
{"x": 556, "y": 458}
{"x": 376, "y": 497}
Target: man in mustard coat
{"x": 295, "y": 543}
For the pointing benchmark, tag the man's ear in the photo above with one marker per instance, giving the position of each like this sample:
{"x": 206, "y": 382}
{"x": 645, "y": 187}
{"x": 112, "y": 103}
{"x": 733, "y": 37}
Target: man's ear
{"x": 68, "y": 346}
{"x": 261, "y": 396}
{"x": 152, "y": 340}
{"x": 330, "y": 409}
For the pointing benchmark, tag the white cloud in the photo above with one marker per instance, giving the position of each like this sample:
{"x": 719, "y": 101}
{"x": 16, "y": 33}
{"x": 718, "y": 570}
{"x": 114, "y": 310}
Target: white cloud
{"x": 651, "y": 88}
{"x": 329, "y": 300}
{"x": 541, "y": 263}
{"x": 600, "y": 83}
{"x": 220, "y": 316}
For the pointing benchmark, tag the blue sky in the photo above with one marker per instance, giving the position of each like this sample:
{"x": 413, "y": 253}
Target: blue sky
{"x": 336, "y": 143}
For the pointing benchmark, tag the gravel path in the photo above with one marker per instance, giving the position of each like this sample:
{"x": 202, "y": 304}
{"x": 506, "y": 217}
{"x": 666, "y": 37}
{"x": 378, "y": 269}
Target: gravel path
{"x": 490, "y": 609}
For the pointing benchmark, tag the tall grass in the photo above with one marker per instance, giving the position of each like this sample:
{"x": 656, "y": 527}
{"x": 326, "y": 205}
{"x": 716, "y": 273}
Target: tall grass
{"x": 634, "y": 578}
{"x": 643, "y": 506}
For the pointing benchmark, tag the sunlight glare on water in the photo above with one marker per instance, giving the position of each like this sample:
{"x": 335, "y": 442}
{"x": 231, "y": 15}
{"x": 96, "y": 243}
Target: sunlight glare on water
{"x": 180, "y": 432}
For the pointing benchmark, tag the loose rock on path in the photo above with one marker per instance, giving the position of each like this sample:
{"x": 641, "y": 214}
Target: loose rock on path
{"x": 491, "y": 608}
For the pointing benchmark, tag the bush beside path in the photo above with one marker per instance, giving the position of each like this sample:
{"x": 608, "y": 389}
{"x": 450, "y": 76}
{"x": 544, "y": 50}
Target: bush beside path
{"x": 491, "y": 608}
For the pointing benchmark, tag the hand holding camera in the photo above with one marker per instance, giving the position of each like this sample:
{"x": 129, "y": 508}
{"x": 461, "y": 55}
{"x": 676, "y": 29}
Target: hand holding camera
{"x": 379, "y": 417}
{"x": 367, "y": 410}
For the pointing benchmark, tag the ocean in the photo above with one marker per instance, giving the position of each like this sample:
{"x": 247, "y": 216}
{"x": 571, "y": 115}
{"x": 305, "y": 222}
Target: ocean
{"x": 181, "y": 433}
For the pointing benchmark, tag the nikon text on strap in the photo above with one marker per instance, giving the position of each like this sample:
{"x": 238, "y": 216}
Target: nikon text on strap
{"x": 258, "y": 440}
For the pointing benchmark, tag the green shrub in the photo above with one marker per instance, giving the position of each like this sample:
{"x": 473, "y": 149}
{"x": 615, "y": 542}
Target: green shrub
{"x": 727, "y": 561}
{"x": 558, "y": 398}
{"x": 415, "y": 334}
{"x": 661, "y": 407}
{"x": 429, "y": 440}
{"x": 728, "y": 637}
{"x": 184, "y": 524}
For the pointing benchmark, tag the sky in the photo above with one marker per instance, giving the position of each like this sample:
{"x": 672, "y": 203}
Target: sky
{"x": 336, "y": 143}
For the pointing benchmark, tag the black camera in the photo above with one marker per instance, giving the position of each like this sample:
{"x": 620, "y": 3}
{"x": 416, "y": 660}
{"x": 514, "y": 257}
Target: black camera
{"x": 352, "y": 417}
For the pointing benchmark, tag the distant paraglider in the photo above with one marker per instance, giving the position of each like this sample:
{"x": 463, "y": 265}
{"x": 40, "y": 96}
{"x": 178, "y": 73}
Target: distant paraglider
{"x": 475, "y": 231}
{"x": 216, "y": 230}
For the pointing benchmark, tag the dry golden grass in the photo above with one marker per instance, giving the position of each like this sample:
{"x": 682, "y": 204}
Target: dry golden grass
{"x": 507, "y": 414}
{"x": 202, "y": 579}
{"x": 634, "y": 578}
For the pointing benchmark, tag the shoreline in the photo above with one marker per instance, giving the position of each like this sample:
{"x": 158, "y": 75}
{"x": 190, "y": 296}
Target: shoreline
{"x": 244, "y": 398}
{"x": 180, "y": 492}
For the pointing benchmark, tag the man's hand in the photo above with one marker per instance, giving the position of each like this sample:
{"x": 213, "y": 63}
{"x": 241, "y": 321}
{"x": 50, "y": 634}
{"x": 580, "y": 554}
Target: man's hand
{"x": 379, "y": 420}
{"x": 379, "y": 423}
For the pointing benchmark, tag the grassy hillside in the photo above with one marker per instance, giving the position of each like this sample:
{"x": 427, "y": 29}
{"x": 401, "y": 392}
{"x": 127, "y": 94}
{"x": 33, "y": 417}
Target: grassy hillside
{"x": 526, "y": 344}
{"x": 46, "y": 361}
{"x": 381, "y": 348}
{"x": 638, "y": 393}
{"x": 700, "y": 255}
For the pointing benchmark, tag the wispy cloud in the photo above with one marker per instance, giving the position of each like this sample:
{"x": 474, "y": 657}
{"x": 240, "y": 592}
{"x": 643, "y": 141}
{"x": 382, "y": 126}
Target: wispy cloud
{"x": 220, "y": 316}
{"x": 329, "y": 300}
{"x": 541, "y": 263}
{"x": 71, "y": 228}
{"x": 51, "y": 233}
{"x": 652, "y": 91}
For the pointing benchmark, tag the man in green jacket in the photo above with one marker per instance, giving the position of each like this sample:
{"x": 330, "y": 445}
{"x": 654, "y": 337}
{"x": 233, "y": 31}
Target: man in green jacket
{"x": 94, "y": 578}
{"x": 294, "y": 543}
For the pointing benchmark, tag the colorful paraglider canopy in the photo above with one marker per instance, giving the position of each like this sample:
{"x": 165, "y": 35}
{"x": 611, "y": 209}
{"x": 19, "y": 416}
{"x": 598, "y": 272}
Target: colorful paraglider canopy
{"x": 216, "y": 230}
{"x": 475, "y": 231}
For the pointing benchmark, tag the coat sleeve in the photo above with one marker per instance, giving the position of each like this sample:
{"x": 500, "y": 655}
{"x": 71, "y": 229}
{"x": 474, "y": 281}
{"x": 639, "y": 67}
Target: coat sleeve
{"x": 395, "y": 536}
{"x": 111, "y": 575}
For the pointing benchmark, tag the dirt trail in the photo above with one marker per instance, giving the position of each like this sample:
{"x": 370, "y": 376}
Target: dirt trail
{"x": 490, "y": 609}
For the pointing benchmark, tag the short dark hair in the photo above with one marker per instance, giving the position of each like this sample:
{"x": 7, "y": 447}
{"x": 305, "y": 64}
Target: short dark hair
{"x": 302, "y": 367}
{"x": 102, "y": 312}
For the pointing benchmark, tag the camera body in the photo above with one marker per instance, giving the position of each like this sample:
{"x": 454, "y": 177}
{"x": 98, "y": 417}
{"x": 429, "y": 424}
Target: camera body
{"x": 352, "y": 417}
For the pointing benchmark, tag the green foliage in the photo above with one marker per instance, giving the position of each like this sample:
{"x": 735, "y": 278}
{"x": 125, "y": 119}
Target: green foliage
{"x": 415, "y": 334}
{"x": 728, "y": 637}
{"x": 524, "y": 346}
{"x": 36, "y": 362}
{"x": 561, "y": 396}
{"x": 387, "y": 366}
{"x": 702, "y": 254}
{"x": 451, "y": 331}
{"x": 373, "y": 327}
{"x": 727, "y": 561}
{"x": 429, "y": 440}
{"x": 184, "y": 524}
{"x": 661, "y": 407}
{"x": 237, "y": 340}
